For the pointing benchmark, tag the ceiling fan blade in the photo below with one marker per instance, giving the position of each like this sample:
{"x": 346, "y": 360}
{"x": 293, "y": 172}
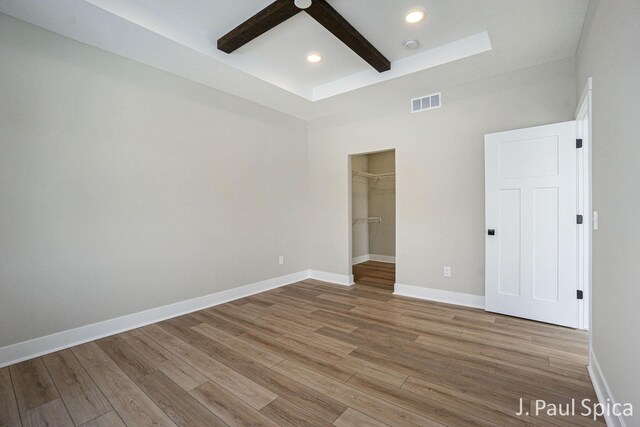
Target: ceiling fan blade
{"x": 329, "y": 18}
{"x": 268, "y": 18}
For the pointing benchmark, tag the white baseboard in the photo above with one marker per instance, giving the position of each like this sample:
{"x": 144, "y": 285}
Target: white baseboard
{"x": 373, "y": 257}
{"x": 337, "y": 279}
{"x": 359, "y": 259}
{"x": 382, "y": 258}
{"x": 449, "y": 297}
{"x": 59, "y": 341}
{"x": 603, "y": 391}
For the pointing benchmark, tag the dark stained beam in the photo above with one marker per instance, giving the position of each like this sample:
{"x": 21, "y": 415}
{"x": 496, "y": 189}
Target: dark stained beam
{"x": 329, "y": 18}
{"x": 268, "y": 18}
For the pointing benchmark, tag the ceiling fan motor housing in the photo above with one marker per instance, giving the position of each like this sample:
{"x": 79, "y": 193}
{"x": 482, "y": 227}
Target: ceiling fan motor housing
{"x": 303, "y": 4}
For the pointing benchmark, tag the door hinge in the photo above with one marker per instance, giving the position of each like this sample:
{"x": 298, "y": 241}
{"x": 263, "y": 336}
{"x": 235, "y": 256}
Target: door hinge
{"x": 580, "y": 294}
{"x": 578, "y": 143}
{"x": 580, "y": 219}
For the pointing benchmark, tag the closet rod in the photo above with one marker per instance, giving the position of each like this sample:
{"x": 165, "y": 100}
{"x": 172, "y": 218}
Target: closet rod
{"x": 369, "y": 220}
{"x": 376, "y": 176}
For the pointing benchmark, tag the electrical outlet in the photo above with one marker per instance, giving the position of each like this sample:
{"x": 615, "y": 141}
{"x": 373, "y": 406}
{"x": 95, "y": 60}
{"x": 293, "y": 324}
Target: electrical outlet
{"x": 281, "y": 260}
{"x": 447, "y": 271}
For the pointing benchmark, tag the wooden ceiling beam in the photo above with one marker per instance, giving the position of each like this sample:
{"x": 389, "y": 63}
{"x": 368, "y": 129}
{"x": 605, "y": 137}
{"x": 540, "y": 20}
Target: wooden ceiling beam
{"x": 329, "y": 18}
{"x": 268, "y": 18}
{"x": 281, "y": 10}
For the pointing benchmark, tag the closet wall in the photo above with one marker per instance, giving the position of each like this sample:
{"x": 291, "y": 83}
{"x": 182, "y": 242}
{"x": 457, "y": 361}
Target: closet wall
{"x": 360, "y": 208}
{"x": 382, "y": 203}
{"x": 373, "y": 198}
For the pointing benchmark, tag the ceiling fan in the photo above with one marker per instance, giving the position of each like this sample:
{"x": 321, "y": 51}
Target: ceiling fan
{"x": 281, "y": 10}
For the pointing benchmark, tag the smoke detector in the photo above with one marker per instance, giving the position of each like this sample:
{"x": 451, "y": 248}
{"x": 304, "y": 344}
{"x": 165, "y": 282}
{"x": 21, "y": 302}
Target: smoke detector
{"x": 411, "y": 44}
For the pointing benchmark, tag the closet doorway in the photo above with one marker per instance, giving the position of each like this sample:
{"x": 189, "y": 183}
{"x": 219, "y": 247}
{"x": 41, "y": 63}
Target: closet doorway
{"x": 373, "y": 222}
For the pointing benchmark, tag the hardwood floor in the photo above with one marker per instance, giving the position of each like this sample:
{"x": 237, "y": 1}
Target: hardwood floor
{"x": 310, "y": 354}
{"x": 375, "y": 275}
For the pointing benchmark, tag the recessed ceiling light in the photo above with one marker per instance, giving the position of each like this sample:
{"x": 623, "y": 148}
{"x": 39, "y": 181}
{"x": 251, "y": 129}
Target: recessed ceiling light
{"x": 415, "y": 16}
{"x": 314, "y": 58}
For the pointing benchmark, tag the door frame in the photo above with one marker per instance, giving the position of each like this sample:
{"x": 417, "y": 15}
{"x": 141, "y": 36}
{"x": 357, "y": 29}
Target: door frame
{"x": 350, "y": 209}
{"x": 584, "y": 122}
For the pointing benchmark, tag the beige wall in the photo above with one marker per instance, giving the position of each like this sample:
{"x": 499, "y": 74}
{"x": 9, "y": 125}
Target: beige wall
{"x": 360, "y": 206}
{"x": 440, "y": 170}
{"x": 123, "y": 188}
{"x": 382, "y": 203}
{"x": 610, "y": 53}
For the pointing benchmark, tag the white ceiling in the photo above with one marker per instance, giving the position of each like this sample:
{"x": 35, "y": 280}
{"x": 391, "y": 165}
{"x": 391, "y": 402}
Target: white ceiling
{"x": 180, "y": 36}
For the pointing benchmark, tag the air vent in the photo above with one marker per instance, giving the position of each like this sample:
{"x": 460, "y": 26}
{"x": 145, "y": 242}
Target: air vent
{"x": 428, "y": 102}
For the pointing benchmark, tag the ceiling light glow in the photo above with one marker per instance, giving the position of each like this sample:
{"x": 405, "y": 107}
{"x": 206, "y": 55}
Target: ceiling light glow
{"x": 415, "y": 16}
{"x": 314, "y": 58}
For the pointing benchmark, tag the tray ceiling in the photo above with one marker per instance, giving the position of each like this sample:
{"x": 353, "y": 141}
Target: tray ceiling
{"x": 180, "y": 36}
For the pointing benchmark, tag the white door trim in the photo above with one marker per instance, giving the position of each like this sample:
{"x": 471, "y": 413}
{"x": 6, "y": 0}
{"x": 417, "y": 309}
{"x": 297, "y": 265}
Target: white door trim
{"x": 584, "y": 123}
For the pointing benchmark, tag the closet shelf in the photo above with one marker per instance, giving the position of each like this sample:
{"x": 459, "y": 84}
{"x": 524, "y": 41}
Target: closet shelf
{"x": 376, "y": 176}
{"x": 370, "y": 220}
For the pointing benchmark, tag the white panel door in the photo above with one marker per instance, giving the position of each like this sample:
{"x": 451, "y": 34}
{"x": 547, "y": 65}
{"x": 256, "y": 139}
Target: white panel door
{"x": 531, "y": 211}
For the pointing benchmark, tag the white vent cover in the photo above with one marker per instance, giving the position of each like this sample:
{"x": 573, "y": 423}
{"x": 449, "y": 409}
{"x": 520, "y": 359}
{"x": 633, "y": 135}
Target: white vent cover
{"x": 428, "y": 102}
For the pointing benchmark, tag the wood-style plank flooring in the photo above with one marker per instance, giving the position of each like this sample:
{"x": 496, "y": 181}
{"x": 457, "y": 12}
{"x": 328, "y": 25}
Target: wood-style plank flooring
{"x": 309, "y": 354}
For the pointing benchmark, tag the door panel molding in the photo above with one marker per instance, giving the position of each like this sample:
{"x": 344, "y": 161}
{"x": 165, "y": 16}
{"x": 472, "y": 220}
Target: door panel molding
{"x": 531, "y": 202}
